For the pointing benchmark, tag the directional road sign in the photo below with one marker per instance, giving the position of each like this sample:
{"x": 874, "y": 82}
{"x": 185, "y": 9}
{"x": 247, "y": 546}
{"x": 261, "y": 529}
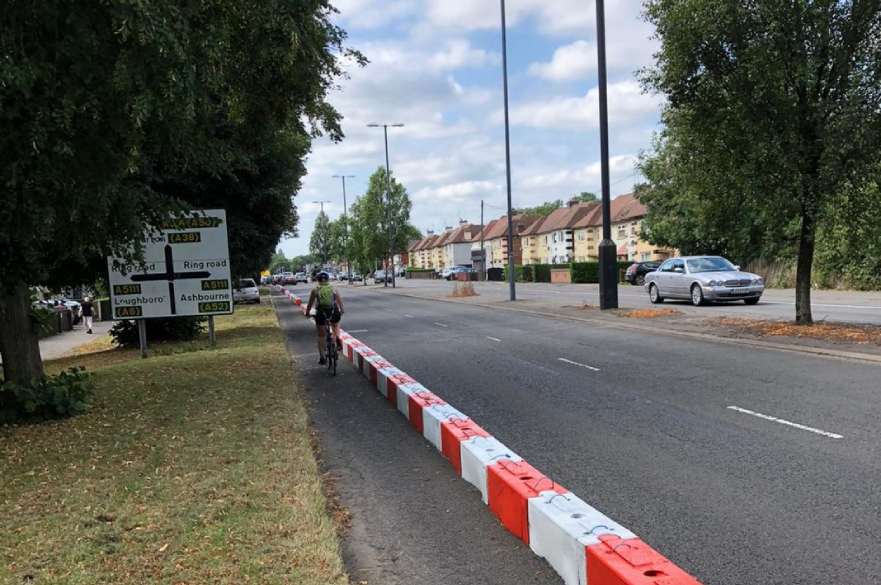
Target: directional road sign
{"x": 185, "y": 271}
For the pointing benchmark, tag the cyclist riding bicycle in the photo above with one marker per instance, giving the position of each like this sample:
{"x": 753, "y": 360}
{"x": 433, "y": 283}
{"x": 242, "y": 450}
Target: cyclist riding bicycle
{"x": 328, "y": 309}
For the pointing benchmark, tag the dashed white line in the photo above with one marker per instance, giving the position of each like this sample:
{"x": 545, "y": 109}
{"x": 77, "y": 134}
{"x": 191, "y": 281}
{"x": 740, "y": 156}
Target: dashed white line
{"x": 408, "y": 316}
{"x": 440, "y": 324}
{"x": 356, "y": 330}
{"x": 496, "y": 339}
{"x": 786, "y": 422}
{"x": 564, "y": 360}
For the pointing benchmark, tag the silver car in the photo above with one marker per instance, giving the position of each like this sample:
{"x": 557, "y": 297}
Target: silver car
{"x": 701, "y": 279}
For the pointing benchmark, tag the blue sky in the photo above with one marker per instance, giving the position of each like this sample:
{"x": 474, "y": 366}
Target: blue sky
{"x": 435, "y": 66}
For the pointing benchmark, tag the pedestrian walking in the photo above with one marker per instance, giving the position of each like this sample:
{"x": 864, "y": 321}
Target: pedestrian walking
{"x": 88, "y": 312}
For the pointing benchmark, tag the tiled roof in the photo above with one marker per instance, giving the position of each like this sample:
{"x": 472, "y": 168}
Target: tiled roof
{"x": 534, "y": 227}
{"x": 485, "y": 231}
{"x": 565, "y": 217}
{"x": 462, "y": 234}
{"x": 624, "y": 208}
{"x": 499, "y": 229}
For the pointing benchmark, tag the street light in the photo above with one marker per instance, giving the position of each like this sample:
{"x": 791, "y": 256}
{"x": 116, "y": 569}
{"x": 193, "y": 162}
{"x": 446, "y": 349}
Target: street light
{"x": 608, "y": 254}
{"x": 324, "y": 251}
{"x": 511, "y": 288}
{"x": 346, "y": 225}
{"x": 388, "y": 200}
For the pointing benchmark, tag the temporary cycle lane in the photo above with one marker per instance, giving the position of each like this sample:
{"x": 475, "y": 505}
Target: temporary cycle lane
{"x": 412, "y": 519}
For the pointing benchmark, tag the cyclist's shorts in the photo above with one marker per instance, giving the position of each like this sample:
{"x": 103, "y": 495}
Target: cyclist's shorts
{"x": 322, "y": 316}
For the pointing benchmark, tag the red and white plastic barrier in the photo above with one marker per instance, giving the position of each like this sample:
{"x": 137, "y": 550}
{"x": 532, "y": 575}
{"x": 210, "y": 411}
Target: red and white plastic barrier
{"x": 582, "y": 544}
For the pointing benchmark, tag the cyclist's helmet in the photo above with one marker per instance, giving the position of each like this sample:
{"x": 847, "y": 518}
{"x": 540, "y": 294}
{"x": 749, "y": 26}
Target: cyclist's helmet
{"x": 322, "y": 277}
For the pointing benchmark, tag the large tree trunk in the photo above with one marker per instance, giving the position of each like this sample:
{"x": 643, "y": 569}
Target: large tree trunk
{"x": 803, "y": 272}
{"x": 19, "y": 339}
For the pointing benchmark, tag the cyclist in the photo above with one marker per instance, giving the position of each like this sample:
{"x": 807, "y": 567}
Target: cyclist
{"x": 328, "y": 309}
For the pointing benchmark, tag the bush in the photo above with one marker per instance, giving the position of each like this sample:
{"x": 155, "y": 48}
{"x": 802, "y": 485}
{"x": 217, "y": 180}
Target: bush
{"x": 65, "y": 394}
{"x": 585, "y": 272}
{"x": 542, "y": 272}
{"x": 45, "y": 321}
{"x": 521, "y": 273}
{"x": 125, "y": 333}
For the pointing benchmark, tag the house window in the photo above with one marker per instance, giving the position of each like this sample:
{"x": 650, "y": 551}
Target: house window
{"x": 645, "y": 256}
{"x": 581, "y": 236}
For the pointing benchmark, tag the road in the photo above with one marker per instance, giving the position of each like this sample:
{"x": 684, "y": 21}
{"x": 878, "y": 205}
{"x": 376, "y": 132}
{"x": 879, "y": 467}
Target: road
{"x": 847, "y": 306}
{"x": 639, "y": 425}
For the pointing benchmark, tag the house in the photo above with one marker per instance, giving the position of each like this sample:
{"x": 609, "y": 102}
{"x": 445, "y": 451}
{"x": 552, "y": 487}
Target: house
{"x": 457, "y": 245}
{"x": 551, "y": 240}
{"x": 496, "y": 239}
{"x": 627, "y": 214}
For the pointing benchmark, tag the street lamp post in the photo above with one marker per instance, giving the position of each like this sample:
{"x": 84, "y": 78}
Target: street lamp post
{"x": 346, "y": 225}
{"x": 511, "y": 275}
{"x": 608, "y": 254}
{"x": 388, "y": 201}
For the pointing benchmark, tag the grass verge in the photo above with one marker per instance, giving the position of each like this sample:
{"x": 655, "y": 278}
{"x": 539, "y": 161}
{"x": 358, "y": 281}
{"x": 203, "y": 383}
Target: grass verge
{"x": 193, "y": 466}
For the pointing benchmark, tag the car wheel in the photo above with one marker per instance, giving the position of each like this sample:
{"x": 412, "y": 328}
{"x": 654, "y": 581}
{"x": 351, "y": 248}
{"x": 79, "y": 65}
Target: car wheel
{"x": 752, "y": 301}
{"x": 655, "y": 295}
{"x": 639, "y": 280}
{"x": 697, "y": 295}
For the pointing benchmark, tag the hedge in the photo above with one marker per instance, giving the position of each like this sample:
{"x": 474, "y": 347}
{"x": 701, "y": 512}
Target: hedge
{"x": 589, "y": 272}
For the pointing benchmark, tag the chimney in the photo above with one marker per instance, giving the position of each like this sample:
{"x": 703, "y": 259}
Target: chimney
{"x": 463, "y": 221}
{"x": 429, "y": 232}
{"x": 448, "y": 228}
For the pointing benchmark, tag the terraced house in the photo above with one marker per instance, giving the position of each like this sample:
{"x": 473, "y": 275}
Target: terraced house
{"x": 495, "y": 239}
{"x": 551, "y": 240}
{"x": 627, "y": 216}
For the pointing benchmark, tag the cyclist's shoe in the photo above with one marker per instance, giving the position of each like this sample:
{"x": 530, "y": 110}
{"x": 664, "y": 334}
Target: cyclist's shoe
{"x": 322, "y": 360}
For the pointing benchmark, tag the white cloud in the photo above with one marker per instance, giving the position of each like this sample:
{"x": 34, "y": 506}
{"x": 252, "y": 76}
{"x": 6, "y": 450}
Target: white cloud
{"x": 588, "y": 178}
{"x": 456, "y": 192}
{"x": 367, "y": 14}
{"x": 627, "y": 105}
{"x": 571, "y": 61}
{"x": 459, "y": 53}
{"x": 553, "y": 16}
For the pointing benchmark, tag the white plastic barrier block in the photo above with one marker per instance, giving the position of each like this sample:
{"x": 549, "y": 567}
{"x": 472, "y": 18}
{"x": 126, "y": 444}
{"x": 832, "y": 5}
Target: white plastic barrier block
{"x": 404, "y": 392}
{"x": 432, "y": 417}
{"x": 477, "y": 454}
{"x": 561, "y": 526}
{"x": 382, "y": 377}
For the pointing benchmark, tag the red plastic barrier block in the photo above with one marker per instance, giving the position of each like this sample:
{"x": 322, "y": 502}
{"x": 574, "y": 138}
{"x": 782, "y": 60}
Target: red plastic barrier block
{"x": 509, "y": 486}
{"x": 631, "y": 562}
{"x": 392, "y": 386}
{"x": 453, "y": 432}
{"x": 417, "y": 402}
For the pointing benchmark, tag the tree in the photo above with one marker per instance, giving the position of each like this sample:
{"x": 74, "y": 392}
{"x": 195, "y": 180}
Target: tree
{"x": 319, "y": 243}
{"x": 279, "y": 263}
{"x": 542, "y": 210}
{"x": 139, "y": 110}
{"x": 585, "y": 197}
{"x": 376, "y": 216}
{"x": 773, "y": 108}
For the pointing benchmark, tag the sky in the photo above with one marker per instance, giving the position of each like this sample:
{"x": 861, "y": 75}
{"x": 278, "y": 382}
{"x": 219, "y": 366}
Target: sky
{"x": 435, "y": 66}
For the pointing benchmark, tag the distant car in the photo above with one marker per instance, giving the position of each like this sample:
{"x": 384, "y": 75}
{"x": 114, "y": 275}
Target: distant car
{"x": 266, "y": 280}
{"x": 301, "y": 277}
{"x": 381, "y": 276}
{"x": 636, "y": 272}
{"x": 246, "y": 292}
{"x": 288, "y": 278}
{"x": 451, "y": 272}
{"x": 356, "y": 277}
{"x": 701, "y": 279}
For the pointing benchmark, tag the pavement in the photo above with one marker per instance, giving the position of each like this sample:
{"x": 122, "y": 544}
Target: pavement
{"x": 742, "y": 465}
{"x": 828, "y": 305}
{"x": 60, "y": 345}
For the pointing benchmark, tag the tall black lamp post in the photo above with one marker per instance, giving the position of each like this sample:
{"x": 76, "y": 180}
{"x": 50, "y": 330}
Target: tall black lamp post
{"x": 388, "y": 202}
{"x": 346, "y": 225}
{"x": 608, "y": 250}
{"x": 511, "y": 276}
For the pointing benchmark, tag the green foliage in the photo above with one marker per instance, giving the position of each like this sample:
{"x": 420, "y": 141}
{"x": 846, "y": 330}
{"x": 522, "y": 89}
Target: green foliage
{"x": 371, "y": 217}
{"x": 542, "y": 272}
{"x": 542, "y": 210}
{"x": 65, "y": 394}
{"x": 320, "y": 241}
{"x": 589, "y": 272}
{"x": 125, "y": 333}
{"x": 756, "y": 147}
{"x": 521, "y": 273}
{"x": 45, "y": 320}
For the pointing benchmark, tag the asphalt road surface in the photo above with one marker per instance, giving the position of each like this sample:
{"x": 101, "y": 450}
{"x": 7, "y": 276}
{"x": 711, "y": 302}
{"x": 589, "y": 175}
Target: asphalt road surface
{"x": 744, "y": 466}
{"x": 847, "y": 306}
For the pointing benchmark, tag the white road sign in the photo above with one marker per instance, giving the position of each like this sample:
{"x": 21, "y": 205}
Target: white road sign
{"x": 185, "y": 272}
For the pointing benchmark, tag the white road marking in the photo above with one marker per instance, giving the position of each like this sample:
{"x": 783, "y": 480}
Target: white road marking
{"x": 440, "y": 324}
{"x": 496, "y": 339}
{"x": 357, "y": 331}
{"x": 786, "y": 422}
{"x": 408, "y": 316}
{"x": 579, "y": 365}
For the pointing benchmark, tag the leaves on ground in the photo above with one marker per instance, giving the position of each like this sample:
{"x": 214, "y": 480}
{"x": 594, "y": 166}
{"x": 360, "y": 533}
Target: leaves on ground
{"x": 825, "y": 331}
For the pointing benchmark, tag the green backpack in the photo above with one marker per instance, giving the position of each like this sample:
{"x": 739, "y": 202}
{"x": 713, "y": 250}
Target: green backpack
{"x": 325, "y": 296}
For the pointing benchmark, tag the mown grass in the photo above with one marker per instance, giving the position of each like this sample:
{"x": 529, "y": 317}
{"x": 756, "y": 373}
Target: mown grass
{"x": 192, "y": 467}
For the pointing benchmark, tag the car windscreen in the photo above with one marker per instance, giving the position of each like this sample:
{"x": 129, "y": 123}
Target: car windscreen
{"x": 247, "y": 283}
{"x": 709, "y": 264}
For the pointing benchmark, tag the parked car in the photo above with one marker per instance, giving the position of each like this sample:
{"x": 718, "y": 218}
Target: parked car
{"x": 288, "y": 278}
{"x": 381, "y": 276}
{"x": 355, "y": 277}
{"x": 636, "y": 272}
{"x": 301, "y": 277}
{"x": 701, "y": 279}
{"x": 246, "y": 292}
{"x": 264, "y": 280}
{"x": 451, "y": 272}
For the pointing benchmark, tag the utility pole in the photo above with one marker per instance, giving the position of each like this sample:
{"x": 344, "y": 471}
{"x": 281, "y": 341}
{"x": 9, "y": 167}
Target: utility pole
{"x": 482, "y": 251}
{"x": 511, "y": 269}
{"x": 346, "y": 225}
{"x": 388, "y": 202}
{"x": 607, "y": 250}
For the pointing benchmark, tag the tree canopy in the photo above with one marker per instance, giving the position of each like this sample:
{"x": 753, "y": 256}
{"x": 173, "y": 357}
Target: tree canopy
{"x": 773, "y": 110}
{"x": 548, "y": 207}
{"x": 142, "y": 109}
{"x": 320, "y": 241}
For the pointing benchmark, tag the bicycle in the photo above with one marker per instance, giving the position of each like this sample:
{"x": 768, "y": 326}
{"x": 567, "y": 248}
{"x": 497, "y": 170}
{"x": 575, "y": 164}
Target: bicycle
{"x": 330, "y": 351}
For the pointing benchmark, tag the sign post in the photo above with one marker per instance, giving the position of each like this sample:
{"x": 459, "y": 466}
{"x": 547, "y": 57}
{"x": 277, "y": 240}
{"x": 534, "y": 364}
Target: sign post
{"x": 186, "y": 272}
{"x": 212, "y": 341}
{"x": 142, "y": 337}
